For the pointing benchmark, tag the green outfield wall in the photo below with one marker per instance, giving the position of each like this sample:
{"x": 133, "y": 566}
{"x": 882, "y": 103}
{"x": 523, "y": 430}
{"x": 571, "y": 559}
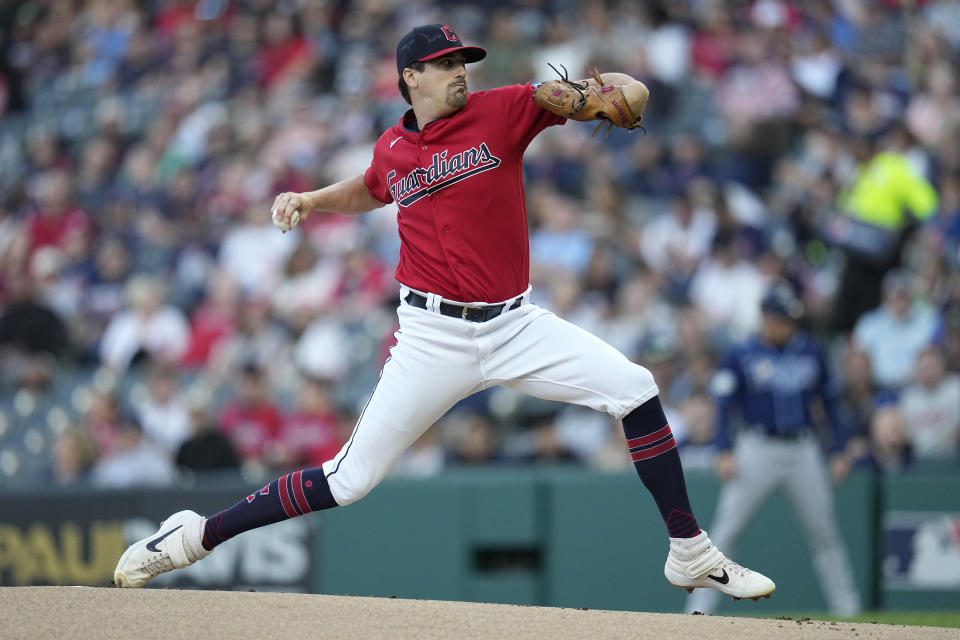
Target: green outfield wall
{"x": 919, "y": 534}
{"x": 567, "y": 538}
{"x": 564, "y": 537}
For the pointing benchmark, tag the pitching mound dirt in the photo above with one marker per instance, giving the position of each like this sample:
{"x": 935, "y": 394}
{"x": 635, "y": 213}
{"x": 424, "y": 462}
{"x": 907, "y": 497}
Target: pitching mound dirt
{"x": 83, "y": 612}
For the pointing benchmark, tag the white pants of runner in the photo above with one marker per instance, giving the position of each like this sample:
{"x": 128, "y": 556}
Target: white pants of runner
{"x": 438, "y": 360}
{"x": 764, "y": 465}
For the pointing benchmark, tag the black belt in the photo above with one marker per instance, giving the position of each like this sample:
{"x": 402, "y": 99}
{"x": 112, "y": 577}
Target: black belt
{"x": 464, "y": 311}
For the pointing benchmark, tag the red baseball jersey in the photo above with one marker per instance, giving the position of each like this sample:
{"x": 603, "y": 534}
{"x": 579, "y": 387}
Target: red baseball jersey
{"x": 458, "y": 185}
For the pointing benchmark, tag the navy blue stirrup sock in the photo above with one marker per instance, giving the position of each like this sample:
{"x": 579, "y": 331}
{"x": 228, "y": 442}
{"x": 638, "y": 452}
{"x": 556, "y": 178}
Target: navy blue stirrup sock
{"x": 655, "y": 457}
{"x": 289, "y": 496}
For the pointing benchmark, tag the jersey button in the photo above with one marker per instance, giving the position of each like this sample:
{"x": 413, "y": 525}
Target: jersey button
{"x": 446, "y": 229}
{"x": 424, "y": 147}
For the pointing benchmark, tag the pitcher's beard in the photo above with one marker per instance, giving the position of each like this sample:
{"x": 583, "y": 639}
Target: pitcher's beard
{"x": 457, "y": 99}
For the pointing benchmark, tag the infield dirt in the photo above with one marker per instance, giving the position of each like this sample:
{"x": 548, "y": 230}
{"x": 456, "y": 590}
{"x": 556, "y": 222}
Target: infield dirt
{"x": 86, "y": 612}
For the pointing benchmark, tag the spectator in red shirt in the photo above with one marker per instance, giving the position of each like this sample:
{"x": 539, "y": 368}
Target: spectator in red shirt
{"x": 173, "y": 15}
{"x": 57, "y": 216}
{"x": 362, "y": 284}
{"x": 251, "y": 419}
{"x": 714, "y": 46}
{"x": 310, "y": 435}
{"x": 213, "y": 320}
{"x": 286, "y": 53}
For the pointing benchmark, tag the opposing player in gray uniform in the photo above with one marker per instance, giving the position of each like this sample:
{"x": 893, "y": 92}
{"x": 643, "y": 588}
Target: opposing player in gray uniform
{"x": 767, "y": 384}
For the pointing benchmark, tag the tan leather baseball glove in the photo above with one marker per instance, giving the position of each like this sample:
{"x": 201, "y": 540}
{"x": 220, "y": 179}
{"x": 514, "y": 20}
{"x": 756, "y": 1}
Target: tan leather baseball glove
{"x": 614, "y": 105}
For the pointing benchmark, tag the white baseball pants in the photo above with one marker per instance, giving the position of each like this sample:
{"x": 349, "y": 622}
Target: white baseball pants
{"x": 438, "y": 360}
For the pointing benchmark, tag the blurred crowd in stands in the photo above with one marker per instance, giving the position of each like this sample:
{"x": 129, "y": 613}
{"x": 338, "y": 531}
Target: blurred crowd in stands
{"x": 154, "y": 324}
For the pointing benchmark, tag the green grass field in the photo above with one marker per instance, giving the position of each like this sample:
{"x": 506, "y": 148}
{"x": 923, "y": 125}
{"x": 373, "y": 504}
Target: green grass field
{"x": 912, "y": 618}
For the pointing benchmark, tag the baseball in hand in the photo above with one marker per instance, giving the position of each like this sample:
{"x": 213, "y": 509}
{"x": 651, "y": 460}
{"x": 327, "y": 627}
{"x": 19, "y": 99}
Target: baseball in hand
{"x": 284, "y": 225}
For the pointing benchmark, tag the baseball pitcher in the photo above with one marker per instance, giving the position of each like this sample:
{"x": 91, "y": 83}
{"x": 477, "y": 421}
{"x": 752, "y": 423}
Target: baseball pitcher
{"x": 453, "y": 165}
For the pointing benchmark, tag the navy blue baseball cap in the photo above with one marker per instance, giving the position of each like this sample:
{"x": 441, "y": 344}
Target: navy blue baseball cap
{"x": 432, "y": 41}
{"x": 781, "y": 301}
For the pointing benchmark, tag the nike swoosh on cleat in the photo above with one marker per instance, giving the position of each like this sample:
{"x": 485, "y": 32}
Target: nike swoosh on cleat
{"x": 724, "y": 579}
{"x": 152, "y": 545}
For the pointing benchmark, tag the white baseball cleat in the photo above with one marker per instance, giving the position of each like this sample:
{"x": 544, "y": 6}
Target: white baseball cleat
{"x": 175, "y": 545}
{"x": 695, "y": 562}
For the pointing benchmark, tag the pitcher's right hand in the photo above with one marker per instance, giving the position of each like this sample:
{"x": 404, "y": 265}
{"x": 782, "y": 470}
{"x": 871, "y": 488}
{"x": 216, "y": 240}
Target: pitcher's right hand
{"x": 288, "y": 210}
